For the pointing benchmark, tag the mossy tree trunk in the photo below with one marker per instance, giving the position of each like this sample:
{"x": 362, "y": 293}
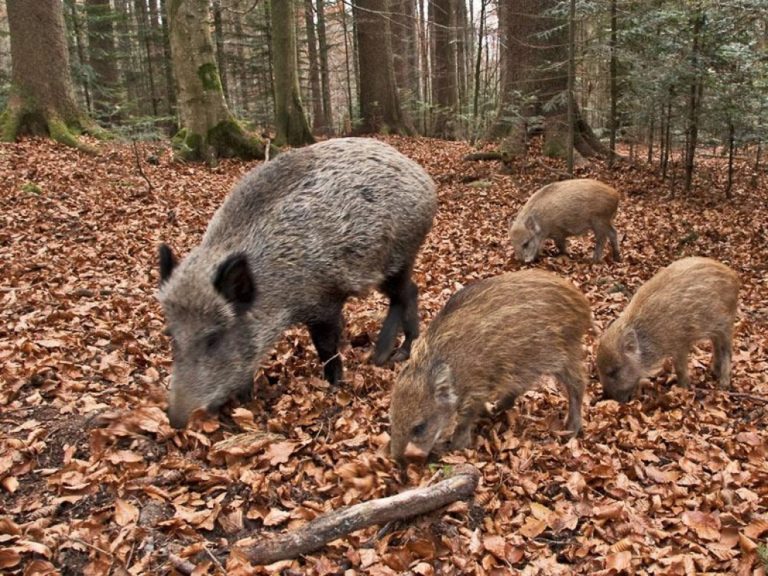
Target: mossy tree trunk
{"x": 42, "y": 100}
{"x": 292, "y": 126}
{"x": 208, "y": 130}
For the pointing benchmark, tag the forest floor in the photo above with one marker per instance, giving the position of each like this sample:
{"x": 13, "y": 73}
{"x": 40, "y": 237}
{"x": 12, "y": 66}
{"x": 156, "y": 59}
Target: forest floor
{"x": 94, "y": 481}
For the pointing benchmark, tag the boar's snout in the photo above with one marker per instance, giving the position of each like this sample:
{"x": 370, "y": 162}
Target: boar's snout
{"x": 178, "y": 417}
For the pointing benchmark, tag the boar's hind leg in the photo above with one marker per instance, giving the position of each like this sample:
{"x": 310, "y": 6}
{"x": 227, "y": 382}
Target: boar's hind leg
{"x": 326, "y": 335}
{"x": 614, "y": 238}
{"x": 403, "y": 311}
{"x": 574, "y": 381}
{"x": 600, "y": 235}
{"x": 721, "y": 360}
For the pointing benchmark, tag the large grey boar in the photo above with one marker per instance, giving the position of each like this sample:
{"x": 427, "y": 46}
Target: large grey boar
{"x": 292, "y": 241}
{"x": 689, "y": 300}
{"x": 563, "y": 209}
{"x": 492, "y": 341}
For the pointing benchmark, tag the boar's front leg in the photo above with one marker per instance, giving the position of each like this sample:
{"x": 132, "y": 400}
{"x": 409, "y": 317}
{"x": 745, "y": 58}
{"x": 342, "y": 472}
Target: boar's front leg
{"x": 403, "y": 312}
{"x": 681, "y": 368}
{"x": 326, "y": 335}
{"x": 561, "y": 243}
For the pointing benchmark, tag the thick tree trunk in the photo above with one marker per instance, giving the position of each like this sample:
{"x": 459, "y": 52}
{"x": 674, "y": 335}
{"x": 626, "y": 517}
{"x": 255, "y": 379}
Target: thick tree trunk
{"x": 42, "y": 99}
{"x": 444, "y": 88}
{"x": 292, "y": 126}
{"x": 318, "y": 120}
{"x": 103, "y": 59}
{"x": 380, "y": 109}
{"x": 405, "y": 52}
{"x": 208, "y": 130}
{"x": 534, "y": 65}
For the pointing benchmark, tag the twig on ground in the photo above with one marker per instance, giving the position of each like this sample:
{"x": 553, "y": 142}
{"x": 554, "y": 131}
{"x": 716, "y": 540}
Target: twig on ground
{"x": 183, "y": 566}
{"x": 328, "y": 527}
{"x": 150, "y": 188}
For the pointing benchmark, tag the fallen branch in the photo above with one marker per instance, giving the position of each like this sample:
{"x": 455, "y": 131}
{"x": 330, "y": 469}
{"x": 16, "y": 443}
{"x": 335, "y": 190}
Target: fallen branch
{"x": 150, "y": 188}
{"x": 483, "y": 156}
{"x": 323, "y": 529}
{"x": 746, "y": 395}
{"x": 184, "y": 566}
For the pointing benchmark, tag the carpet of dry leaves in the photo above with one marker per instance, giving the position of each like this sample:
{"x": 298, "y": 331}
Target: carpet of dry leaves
{"x": 94, "y": 481}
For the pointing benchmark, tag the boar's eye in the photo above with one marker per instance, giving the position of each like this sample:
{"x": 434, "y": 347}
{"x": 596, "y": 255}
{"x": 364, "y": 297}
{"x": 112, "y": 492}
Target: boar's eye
{"x": 612, "y": 373}
{"x": 212, "y": 340}
{"x": 419, "y": 429}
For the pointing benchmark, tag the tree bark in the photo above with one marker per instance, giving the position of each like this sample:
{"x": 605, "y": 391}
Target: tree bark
{"x": 380, "y": 108}
{"x": 405, "y": 53}
{"x": 535, "y": 50}
{"x": 221, "y": 57}
{"x": 325, "y": 77}
{"x": 292, "y": 126}
{"x": 694, "y": 102}
{"x": 444, "y": 86}
{"x": 41, "y": 99}
{"x": 170, "y": 87}
{"x": 318, "y": 119}
{"x": 103, "y": 59}
{"x": 333, "y": 525}
{"x": 145, "y": 38}
{"x": 208, "y": 130}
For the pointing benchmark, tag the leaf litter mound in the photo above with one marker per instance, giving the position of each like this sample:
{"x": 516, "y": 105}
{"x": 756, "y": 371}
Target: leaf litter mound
{"x": 94, "y": 481}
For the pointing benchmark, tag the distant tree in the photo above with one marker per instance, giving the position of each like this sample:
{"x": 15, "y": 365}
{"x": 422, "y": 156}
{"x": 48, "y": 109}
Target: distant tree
{"x": 103, "y": 59}
{"x": 318, "y": 118}
{"x": 208, "y": 130}
{"x": 42, "y": 98}
{"x": 445, "y": 93}
{"x": 380, "y": 108}
{"x": 292, "y": 126}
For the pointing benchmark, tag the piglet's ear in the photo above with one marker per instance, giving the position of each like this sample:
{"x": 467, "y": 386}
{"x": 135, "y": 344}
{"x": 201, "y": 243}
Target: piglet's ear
{"x": 631, "y": 343}
{"x": 234, "y": 281}
{"x": 532, "y": 224}
{"x": 443, "y": 387}
{"x": 167, "y": 262}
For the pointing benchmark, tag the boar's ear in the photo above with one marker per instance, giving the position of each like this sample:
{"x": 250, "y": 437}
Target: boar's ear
{"x": 443, "y": 389}
{"x": 533, "y": 224}
{"x": 167, "y": 262}
{"x": 631, "y": 343}
{"x": 234, "y": 281}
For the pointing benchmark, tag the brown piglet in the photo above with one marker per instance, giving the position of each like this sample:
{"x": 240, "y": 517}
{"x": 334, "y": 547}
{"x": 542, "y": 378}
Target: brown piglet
{"x": 691, "y": 299}
{"x": 563, "y": 209}
{"x": 492, "y": 342}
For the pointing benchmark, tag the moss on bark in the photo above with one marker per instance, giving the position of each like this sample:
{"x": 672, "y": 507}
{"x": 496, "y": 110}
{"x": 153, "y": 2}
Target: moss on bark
{"x": 228, "y": 139}
{"x": 209, "y": 76}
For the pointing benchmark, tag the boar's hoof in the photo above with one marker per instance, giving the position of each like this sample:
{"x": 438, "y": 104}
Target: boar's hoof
{"x": 400, "y": 355}
{"x": 245, "y": 394}
{"x": 381, "y": 358}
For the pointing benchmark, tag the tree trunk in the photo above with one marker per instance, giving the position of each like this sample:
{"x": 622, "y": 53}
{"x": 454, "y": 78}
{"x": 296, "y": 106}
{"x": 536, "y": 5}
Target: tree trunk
{"x": 41, "y": 99}
{"x": 170, "y": 87}
{"x": 380, "y": 109}
{"x": 292, "y": 127}
{"x": 533, "y": 64}
{"x": 571, "y": 98}
{"x": 694, "y": 102}
{"x": 208, "y": 130}
{"x": 318, "y": 120}
{"x": 78, "y": 37}
{"x": 325, "y": 77}
{"x": 103, "y": 59}
{"x": 145, "y": 38}
{"x": 731, "y": 146}
{"x": 478, "y": 62}
{"x": 221, "y": 57}
{"x": 614, "y": 88}
{"x": 343, "y": 11}
{"x": 444, "y": 88}
{"x": 405, "y": 53}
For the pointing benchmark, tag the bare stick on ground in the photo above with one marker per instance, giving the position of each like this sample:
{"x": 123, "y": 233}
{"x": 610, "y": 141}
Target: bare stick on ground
{"x": 323, "y": 529}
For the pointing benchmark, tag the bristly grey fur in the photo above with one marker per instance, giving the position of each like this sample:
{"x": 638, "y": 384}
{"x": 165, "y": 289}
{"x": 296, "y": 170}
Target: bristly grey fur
{"x": 317, "y": 225}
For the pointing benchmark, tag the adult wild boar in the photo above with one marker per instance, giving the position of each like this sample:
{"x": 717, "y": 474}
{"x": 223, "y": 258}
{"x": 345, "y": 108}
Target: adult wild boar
{"x": 563, "y": 209}
{"x": 689, "y": 300}
{"x": 292, "y": 241}
{"x": 492, "y": 341}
